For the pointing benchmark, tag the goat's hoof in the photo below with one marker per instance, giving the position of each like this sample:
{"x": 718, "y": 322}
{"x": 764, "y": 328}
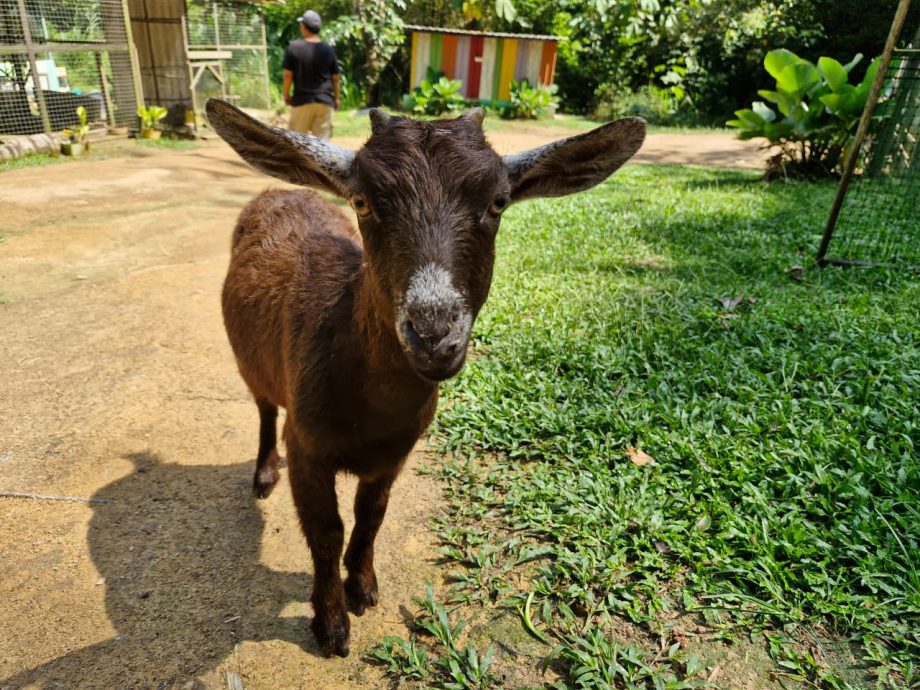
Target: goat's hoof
{"x": 361, "y": 594}
{"x": 332, "y": 637}
{"x": 264, "y": 481}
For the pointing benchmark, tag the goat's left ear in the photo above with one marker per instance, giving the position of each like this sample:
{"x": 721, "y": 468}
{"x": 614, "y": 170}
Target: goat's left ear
{"x": 576, "y": 163}
{"x": 290, "y": 156}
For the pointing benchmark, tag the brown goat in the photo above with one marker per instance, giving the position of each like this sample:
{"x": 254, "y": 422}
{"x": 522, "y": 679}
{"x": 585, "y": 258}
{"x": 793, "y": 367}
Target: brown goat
{"x": 351, "y": 331}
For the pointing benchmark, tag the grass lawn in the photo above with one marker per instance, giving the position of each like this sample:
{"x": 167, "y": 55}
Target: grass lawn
{"x": 668, "y": 446}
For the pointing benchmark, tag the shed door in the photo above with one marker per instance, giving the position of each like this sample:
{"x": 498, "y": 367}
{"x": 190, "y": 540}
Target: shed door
{"x": 475, "y": 68}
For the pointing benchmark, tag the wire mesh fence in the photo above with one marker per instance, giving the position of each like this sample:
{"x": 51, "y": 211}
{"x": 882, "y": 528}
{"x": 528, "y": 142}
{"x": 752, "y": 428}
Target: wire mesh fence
{"x": 879, "y": 222}
{"x": 239, "y": 29}
{"x": 57, "y": 55}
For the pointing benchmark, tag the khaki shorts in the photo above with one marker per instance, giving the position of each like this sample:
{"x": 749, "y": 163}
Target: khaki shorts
{"x": 312, "y": 118}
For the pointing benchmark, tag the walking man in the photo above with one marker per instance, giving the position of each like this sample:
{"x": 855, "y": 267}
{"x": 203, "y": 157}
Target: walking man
{"x": 312, "y": 68}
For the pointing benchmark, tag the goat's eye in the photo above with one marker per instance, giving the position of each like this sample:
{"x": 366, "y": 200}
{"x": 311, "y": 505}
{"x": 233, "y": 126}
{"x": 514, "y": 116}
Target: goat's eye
{"x": 360, "y": 205}
{"x": 497, "y": 206}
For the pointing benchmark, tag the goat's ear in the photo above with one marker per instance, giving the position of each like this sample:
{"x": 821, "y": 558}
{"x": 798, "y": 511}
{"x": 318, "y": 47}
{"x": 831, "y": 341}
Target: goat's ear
{"x": 290, "y": 156}
{"x": 475, "y": 115}
{"x": 576, "y": 163}
{"x": 379, "y": 119}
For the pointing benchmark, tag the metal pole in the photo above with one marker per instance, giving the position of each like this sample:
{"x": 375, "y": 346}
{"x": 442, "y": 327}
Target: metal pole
{"x": 33, "y": 66}
{"x": 896, "y": 26}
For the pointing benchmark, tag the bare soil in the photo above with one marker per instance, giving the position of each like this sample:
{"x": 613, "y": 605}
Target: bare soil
{"x": 119, "y": 390}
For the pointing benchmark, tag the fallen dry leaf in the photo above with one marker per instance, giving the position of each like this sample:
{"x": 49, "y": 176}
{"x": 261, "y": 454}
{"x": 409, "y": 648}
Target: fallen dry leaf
{"x": 731, "y": 303}
{"x": 638, "y": 456}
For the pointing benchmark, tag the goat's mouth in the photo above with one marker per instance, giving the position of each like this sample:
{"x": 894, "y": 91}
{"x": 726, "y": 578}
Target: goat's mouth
{"x": 437, "y": 371}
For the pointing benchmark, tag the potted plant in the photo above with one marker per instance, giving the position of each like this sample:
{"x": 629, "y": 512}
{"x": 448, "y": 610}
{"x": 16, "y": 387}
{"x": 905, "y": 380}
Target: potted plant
{"x": 150, "y": 116}
{"x": 76, "y": 143}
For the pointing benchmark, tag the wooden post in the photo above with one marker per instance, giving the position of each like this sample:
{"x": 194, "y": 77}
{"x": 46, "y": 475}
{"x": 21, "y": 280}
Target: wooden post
{"x": 33, "y": 67}
{"x": 896, "y": 26}
{"x": 268, "y": 90}
{"x": 106, "y": 95}
{"x": 191, "y": 74}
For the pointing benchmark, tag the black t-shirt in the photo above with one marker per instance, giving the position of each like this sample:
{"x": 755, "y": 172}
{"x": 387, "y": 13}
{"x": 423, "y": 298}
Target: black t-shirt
{"x": 313, "y": 65}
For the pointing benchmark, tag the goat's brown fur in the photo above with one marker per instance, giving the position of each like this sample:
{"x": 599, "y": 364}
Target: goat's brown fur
{"x": 350, "y": 332}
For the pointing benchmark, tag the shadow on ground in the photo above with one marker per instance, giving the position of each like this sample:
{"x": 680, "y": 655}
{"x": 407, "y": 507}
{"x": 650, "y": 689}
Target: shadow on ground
{"x": 162, "y": 538}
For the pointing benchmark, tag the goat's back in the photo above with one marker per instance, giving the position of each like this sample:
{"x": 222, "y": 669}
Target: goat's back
{"x": 293, "y": 255}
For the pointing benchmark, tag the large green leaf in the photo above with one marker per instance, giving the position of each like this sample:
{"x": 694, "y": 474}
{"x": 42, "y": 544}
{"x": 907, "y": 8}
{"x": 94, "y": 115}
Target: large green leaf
{"x": 870, "y": 74}
{"x": 778, "y": 60}
{"x": 765, "y": 112}
{"x": 777, "y": 131}
{"x": 784, "y": 101}
{"x": 798, "y": 78}
{"x": 833, "y": 72}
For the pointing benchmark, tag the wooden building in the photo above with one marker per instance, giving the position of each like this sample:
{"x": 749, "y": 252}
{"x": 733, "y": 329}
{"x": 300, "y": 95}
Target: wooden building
{"x": 485, "y": 62}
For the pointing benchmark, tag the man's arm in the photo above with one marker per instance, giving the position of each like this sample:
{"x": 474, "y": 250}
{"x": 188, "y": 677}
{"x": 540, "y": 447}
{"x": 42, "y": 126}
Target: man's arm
{"x": 286, "y": 86}
{"x": 335, "y": 91}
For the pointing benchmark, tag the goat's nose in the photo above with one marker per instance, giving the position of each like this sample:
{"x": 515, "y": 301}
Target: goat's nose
{"x": 427, "y": 335}
{"x": 436, "y": 337}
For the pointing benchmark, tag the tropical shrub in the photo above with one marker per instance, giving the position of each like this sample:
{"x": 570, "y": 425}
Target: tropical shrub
{"x": 151, "y": 115}
{"x": 435, "y": 96}
{"x": 814, "y": 115}
{"x": 529, "y": 103}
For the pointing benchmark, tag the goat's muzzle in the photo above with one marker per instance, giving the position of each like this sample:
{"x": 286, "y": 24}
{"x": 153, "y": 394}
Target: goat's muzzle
{"x": 433, "y": 324}
{"x": 436, "y": 349}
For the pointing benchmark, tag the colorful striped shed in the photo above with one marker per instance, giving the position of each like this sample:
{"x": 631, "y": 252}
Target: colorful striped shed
{"x": 485, "y": 62}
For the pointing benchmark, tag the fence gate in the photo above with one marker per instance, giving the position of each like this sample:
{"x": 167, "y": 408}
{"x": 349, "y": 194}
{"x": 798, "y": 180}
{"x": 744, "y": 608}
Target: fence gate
{"x": 56, "y": 55}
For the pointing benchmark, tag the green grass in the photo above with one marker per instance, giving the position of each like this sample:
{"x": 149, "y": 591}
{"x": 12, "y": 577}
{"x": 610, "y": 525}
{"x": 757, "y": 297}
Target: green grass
{"x": 782, "y": 508}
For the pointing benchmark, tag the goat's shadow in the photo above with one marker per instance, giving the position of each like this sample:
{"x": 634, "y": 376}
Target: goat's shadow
{"x": 178, "y": 547}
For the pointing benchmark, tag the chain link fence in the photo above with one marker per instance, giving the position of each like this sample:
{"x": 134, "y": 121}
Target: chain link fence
{"x": 57, "y": 55}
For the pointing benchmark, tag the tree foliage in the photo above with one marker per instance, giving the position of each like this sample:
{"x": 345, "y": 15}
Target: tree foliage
{"x": 689, "y": 59}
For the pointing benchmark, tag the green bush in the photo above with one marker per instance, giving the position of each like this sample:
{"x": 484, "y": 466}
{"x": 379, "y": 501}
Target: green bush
{"x": 656, "y": 105}
{"x": 435, "y": 96}
{"x": 818, "y": 111}
{"x": 528, "y": 103}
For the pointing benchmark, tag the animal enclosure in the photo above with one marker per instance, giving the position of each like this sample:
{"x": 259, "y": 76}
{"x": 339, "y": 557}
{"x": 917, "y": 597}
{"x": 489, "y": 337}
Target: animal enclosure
{"x": 191, "y": 50}
{"x": 878, "y": 221}
{"x": 56, "y": 56}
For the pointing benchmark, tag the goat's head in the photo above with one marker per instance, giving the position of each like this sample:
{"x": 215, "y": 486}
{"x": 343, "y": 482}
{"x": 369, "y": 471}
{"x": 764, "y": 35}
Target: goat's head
{"x": 429, "y": 198}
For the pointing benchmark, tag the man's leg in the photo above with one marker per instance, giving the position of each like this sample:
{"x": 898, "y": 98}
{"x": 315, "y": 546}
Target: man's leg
{"x": 300, "y": 118}
{"x": 322, "y": 125}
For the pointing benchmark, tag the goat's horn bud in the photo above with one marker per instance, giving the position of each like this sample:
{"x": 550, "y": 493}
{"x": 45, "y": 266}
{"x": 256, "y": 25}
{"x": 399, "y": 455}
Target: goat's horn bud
{"x": 379, "y": 119}
{"x": 475, "y": 115}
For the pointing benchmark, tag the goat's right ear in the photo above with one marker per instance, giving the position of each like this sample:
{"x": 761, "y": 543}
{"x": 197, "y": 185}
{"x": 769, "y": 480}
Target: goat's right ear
{"x": 290, "y": 156}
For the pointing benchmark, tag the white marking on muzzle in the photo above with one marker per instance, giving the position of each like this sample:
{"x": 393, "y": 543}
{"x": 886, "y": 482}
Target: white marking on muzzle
{"x": 431, "y": 289}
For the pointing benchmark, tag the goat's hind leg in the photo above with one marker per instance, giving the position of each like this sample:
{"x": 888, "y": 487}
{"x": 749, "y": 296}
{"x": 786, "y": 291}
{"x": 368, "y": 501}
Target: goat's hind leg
{"x": 370, "y": 507}
{"x": 267, "y": 460}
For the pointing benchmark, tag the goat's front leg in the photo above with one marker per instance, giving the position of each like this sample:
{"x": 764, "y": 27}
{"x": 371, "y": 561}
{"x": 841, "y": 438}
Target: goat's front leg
{"x": 313, "y": 487}
{"x": 370, "y": 507}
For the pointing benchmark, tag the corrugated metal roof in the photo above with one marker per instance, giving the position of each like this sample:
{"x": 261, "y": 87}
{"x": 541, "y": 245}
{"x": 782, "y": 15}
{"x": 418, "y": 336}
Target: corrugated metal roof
{"x": 486, "y": 34}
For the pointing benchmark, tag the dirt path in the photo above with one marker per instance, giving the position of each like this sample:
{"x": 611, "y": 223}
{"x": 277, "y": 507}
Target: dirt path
{"x": 118, "y": 386}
